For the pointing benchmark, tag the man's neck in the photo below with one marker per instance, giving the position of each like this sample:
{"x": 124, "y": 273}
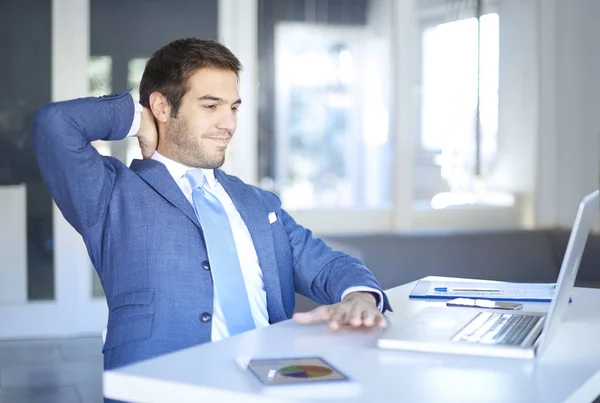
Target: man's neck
{"x": 165, "y": 152}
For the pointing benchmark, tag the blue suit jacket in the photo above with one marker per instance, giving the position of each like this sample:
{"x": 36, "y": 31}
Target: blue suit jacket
{"x": 147, "y": 246}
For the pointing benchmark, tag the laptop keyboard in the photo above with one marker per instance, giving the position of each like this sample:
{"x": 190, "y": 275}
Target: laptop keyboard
{"x": 497, "y": 328}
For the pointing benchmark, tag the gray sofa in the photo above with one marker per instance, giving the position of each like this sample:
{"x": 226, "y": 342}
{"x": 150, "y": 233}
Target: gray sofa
{"x": 519, "y": 255}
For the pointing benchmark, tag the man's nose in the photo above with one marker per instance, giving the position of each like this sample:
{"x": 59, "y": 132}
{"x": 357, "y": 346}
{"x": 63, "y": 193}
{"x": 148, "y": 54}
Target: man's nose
{"x": 228, "y": 121}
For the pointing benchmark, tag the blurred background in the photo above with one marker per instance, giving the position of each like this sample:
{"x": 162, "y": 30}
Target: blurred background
{"x": 426, "y": 137}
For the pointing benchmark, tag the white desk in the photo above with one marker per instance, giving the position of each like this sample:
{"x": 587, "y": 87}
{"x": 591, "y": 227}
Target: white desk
{"x": 569, "y": 371}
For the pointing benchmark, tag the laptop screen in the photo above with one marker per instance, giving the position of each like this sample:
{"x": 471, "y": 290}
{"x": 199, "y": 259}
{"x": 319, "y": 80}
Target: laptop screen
{"x": 586, "y": 214}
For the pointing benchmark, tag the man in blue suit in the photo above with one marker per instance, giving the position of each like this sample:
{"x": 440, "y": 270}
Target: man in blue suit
{"x": 186, "y": 253}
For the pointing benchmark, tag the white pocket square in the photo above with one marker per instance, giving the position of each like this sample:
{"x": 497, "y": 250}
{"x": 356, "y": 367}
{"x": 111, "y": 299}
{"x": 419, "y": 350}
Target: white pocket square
{"x": 272, "y": 217}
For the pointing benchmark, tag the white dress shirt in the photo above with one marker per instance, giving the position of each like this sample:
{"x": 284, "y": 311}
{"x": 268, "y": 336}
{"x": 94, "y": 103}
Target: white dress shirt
{"x": 243, "y": 242}
{"x": 247, "y": 256}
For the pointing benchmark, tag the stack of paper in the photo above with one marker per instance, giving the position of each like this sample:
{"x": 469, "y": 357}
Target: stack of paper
{"x": 494, "y": 290}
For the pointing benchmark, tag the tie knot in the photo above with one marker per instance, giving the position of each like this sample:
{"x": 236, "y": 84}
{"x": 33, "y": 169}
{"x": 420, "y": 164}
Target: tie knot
{"x": 196, "y": 177}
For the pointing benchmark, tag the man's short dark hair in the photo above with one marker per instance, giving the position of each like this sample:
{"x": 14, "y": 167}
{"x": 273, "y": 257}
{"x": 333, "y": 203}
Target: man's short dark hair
{"x": 170, "y": 67}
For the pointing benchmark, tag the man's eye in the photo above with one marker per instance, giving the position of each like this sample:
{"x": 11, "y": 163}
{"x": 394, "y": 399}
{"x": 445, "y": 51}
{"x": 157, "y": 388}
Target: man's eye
{"x": 210, "y": 106}
{"x": 235, "y": 108}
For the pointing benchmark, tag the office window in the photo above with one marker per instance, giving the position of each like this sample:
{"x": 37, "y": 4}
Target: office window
{"x": 135, "y": 70}
{"x": 27, "y": 269}
{"x": 100, "y": 83}
{"x": 329, "y": 145}
{"x": 100, "y": 75}
{"x": 332, "y": 119}
{"x": 451, "y": 85}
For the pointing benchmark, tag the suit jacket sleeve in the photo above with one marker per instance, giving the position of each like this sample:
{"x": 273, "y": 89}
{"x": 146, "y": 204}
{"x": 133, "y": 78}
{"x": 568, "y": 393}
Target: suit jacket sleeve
{"x": 79, "y": 179}
{"x": 320, "y": 273}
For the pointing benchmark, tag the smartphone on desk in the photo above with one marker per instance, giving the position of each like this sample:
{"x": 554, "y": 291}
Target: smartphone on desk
{"x": 485, "y": 303}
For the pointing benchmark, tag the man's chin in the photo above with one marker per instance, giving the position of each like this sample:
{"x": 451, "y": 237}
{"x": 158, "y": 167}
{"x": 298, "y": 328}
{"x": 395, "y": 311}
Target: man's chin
{"x": 213, "y": 164}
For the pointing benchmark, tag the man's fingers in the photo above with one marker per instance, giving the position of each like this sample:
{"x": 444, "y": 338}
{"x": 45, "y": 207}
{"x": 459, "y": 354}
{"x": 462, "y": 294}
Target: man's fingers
{"x": 337, "y": 318}
{"x": 369, "y": 317}
{"x": 147, "y": 134}
{"x": 381, "y": 321}
{"x": 372, "y": 317}
{"x": 319, "y": 314}
{"x": 146, "y": 148}
{"x": 356, "y": 315}
{"x": 351, "y": 313}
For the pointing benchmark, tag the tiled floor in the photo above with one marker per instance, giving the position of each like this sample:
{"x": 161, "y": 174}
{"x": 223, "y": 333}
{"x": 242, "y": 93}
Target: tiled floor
{"x": 51, "y": 371}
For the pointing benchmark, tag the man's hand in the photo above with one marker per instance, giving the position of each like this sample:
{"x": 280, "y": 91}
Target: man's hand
{"x": 356, "y": 309}
{"x": 148, "y": 134}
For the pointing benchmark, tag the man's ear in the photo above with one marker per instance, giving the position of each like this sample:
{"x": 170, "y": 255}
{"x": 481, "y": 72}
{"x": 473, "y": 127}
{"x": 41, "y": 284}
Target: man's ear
{"x": 160, "y": 107}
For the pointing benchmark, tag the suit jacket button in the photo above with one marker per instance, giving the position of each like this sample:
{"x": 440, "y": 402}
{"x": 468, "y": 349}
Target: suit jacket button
{"x": 205, "y": 317}
{"x": 206, "y": 265}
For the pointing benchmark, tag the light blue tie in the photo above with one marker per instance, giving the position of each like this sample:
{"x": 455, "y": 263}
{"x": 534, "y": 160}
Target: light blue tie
{"x": 222, "y": 254}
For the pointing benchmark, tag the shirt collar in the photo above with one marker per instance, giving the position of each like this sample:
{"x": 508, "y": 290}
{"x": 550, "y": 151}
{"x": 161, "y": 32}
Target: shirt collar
{"x": 178, "y": 170}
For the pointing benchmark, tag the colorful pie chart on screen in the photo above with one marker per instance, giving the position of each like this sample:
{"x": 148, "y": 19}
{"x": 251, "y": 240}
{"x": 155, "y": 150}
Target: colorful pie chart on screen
{"x": 305, "y": 371}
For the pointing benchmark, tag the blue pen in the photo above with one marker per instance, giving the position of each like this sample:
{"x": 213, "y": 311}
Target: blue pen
{"x": 446, "y": 289}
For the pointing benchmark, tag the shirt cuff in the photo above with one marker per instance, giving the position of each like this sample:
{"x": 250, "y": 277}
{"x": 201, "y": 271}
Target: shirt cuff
{"x": 367, "y": 289}
{"x": 137, "y": 118}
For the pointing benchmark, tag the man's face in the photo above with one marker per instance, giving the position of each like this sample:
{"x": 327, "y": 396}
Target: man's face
{"x": 206, "y": 120}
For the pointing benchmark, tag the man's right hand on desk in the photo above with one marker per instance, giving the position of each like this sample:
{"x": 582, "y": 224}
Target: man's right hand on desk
{"x": 358, "y": 309}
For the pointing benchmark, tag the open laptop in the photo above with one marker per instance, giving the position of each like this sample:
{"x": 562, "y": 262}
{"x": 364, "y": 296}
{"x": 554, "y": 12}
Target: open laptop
{"x": 498, "y": 333}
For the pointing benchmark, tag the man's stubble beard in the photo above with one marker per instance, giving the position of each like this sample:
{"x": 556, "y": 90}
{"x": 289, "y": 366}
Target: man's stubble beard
{"x": 186, "y": 149}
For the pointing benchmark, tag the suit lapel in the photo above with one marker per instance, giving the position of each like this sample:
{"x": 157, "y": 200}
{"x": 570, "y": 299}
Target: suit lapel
{"x": 157, "y": 176}
{"x": 251, "y": 210}
{"x": 255, "y": 216}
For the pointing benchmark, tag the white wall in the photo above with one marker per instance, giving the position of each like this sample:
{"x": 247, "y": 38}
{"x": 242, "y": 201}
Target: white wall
{"x": 13, "y": 245}
{"x": 569, "y": 137}
{"x": 238, "y": 30}
{"x": 549, "y": 106}
{"x": 578, "y": 104}
{"x": 514, "y": 169}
